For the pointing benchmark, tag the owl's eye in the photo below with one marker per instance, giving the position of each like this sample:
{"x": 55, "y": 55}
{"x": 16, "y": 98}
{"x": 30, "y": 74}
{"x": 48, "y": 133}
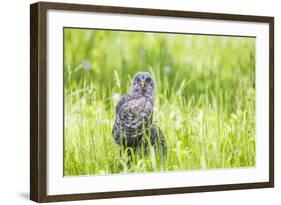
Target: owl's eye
{"x": 147, "y": 80}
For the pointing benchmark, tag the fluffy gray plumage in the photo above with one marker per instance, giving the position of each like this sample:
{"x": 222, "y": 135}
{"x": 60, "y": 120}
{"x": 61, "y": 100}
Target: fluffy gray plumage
{"x": 134, "y": 126}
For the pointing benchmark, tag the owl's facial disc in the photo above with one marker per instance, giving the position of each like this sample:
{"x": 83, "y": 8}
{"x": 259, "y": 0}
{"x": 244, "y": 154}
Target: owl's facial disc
{"x": 143, "y": 82}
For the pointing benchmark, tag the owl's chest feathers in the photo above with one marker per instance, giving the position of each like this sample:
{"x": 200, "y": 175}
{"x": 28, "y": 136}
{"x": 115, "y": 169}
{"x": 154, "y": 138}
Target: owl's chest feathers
{"x": 137, "y": 113}
{"x": 137, "y": 106}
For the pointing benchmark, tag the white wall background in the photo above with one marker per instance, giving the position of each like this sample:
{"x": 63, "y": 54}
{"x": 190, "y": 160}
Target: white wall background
{"x": 14, "y": 101}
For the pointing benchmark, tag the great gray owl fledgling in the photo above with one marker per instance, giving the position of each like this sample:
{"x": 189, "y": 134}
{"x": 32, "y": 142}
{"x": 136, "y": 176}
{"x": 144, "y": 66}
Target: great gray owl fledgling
{"x": 134, "y": 126}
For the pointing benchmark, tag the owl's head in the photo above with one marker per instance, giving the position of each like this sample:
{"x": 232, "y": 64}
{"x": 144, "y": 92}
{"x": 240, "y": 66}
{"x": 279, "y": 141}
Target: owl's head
{"x": 143, "y": 82}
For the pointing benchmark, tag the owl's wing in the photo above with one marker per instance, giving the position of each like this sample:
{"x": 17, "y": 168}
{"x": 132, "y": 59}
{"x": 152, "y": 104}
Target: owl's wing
{"x": 128, "y": 111}
{"x": 119, "y": 117}
{"x": 122, "y": 103}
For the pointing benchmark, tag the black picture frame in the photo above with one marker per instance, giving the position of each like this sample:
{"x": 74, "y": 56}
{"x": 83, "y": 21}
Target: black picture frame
{"x": 38, "y": 102}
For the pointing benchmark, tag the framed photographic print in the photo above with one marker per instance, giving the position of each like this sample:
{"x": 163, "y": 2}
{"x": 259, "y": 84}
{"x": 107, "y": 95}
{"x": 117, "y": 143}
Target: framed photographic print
{"x": 134, "y": 102}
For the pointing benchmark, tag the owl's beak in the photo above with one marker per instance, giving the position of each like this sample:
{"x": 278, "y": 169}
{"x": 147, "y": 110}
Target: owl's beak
{"x": 142, "y": 83}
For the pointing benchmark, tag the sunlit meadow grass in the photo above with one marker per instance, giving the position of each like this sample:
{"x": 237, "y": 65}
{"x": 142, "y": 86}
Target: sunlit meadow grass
{"x": 205, "y": 99}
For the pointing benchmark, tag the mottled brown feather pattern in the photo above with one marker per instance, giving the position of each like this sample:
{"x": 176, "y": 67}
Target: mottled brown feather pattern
{"x": 134, "y": 124}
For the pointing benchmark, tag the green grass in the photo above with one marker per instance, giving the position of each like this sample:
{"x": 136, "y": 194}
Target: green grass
{"x": 205, "y": 99}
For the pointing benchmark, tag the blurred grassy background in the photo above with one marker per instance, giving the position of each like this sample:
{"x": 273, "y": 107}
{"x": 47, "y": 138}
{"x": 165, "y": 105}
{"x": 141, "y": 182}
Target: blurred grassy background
{"x": 205, "y": 99}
